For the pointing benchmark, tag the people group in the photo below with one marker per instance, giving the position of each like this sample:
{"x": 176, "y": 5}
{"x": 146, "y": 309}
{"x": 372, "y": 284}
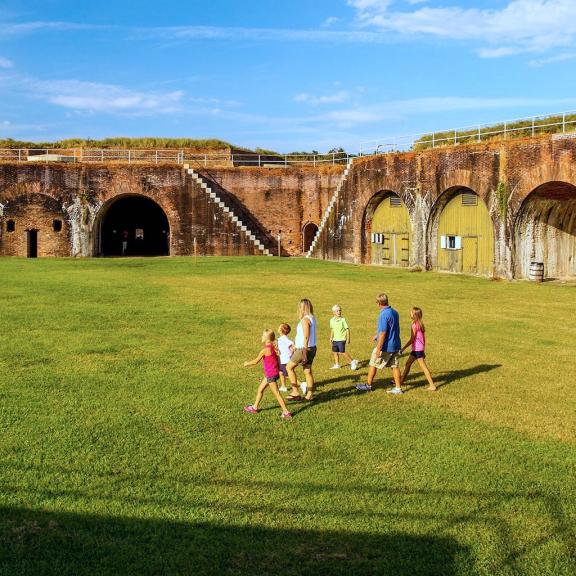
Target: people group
{"x": 280, "y": 357}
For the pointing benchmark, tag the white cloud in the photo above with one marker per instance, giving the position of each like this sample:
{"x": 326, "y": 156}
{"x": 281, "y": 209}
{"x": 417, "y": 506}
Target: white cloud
{"x": 520, "y": 26}
{"x": 21, "y": 28}
{"x": 6, "y": 63}
{"x": 95, "y": 97}
{"x": 552, "y": 60}
{"x": 330, "y": 21}
{"x": 336, "y": 98}
{"x": 172, "y": 33}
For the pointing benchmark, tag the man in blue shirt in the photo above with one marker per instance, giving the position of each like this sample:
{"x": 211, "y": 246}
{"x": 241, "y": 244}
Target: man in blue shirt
{"x": 386, "y": 354}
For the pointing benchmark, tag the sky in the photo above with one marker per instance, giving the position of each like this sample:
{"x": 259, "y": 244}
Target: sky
{"x": 282, "y": 75}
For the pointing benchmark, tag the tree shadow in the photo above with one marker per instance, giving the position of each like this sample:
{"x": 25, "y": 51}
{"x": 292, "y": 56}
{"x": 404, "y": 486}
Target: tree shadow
{"x": 66, "y": 544}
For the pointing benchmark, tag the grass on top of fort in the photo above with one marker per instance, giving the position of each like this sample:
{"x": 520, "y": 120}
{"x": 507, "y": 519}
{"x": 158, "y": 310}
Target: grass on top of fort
{"x": 124, "y": 448}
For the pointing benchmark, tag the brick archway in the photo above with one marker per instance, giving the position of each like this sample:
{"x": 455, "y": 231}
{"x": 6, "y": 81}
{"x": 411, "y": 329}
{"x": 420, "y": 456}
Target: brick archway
{"x": 545, "y": 231}
{"x": 132, "y": 225}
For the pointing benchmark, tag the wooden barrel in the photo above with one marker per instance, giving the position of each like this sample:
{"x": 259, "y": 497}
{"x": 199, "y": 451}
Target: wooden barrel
{"x": 536, "y": 271}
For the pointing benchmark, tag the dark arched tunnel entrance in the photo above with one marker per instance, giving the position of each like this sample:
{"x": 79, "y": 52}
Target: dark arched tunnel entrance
{"x": 133, "y": 226}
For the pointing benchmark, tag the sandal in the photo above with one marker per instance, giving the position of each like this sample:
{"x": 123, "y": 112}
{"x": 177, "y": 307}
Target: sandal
{"x": 294, "y": 398}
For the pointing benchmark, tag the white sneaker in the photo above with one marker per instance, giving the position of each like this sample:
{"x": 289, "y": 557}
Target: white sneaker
{"x": 335, "y": 367}
{"x": 354, "y": 365}
{"x": 303, "y": 387}
{"x": 395, "y": 391}
{"x": 283, "y": 389}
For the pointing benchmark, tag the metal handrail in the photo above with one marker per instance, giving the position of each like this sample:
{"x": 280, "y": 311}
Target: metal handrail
{"x": 180, "y": 156}
{"x": 473, "y": 133}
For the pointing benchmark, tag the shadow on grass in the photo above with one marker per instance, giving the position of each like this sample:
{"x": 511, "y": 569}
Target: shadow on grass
{"x": 63, "y": 544}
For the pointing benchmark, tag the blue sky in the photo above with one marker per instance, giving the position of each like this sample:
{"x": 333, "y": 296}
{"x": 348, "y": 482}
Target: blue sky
{"x": 283, "y": 75}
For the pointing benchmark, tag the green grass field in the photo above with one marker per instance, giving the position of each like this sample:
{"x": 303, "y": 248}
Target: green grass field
{"x": 124, "y": 448}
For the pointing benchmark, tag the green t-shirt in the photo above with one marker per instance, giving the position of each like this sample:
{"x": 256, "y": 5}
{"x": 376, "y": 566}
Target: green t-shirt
{"x": 339, "y": 327}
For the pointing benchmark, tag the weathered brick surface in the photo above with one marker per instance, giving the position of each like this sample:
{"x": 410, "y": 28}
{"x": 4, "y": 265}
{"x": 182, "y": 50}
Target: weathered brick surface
{"x": 274, "y": 199}
{"x": 424, "y": 181}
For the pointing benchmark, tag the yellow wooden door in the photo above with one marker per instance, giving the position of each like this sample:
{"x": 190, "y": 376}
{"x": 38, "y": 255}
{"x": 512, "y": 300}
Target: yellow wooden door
{"x": 470, "y": 254}
{"x": 390, "y": 220}
{"x": 466, "y": 216}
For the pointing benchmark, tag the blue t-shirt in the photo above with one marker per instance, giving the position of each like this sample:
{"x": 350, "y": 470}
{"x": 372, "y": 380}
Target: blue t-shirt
{"x": 389, "y": 322}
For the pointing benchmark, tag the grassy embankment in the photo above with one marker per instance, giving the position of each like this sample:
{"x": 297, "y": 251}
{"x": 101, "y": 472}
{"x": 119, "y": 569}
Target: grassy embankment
{"x": 124, "y": 449}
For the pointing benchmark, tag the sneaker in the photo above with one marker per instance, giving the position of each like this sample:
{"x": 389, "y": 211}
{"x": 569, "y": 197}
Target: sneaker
{"x": 250, "y": 409}
{"x": 335, "y": 367}
{"x": 286, "y": 416}
{"x": 364, "y": 387}
{"x": 395, "y": 391}
{"x": 354, "y": 365}
{"x": 303, "y": 387}
{"x": 283, "y": 389}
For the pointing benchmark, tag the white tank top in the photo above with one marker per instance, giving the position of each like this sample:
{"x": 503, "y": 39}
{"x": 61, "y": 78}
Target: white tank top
{"x": 299, "y": 341}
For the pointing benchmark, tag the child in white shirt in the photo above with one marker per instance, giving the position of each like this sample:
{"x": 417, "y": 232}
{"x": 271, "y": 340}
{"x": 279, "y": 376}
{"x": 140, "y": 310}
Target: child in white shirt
{"x": 286, "y": 349}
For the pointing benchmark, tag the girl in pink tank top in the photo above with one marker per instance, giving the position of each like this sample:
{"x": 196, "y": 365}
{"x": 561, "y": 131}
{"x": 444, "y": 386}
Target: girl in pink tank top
{"x": 418, "y": 343}
{"x": 271, "y": 365}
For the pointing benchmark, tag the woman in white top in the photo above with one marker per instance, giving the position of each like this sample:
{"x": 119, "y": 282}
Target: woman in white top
{"x": 305, "y": 344}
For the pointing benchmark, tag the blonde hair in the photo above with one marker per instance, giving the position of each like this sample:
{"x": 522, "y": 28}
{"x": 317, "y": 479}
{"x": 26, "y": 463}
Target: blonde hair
{"x": 336, "y": 307}
{"x": 284, "y": 328}
{"x": 305, "y": 307}
{"x": 382, "y": 299}
{"x": 268, "y": 336}
{"x": 416, "y": 315}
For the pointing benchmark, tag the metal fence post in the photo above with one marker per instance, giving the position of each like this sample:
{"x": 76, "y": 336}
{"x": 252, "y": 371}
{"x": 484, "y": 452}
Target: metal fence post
{"x": 206, "y": 160}
{"x": 478, "y": 133}
{"x": 455, "y": 132}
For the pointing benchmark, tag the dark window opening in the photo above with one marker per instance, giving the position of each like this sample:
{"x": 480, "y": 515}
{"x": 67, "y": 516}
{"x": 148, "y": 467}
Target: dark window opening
{"x": 10, "y": 226}
{"x": 395, "y": 201}
{"x": 57, "y": 225}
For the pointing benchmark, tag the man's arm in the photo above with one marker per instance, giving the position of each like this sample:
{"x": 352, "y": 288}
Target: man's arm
{"x": 380, "y": 343}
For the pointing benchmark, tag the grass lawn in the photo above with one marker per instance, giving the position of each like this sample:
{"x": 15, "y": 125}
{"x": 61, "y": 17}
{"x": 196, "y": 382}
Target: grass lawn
{"x": 124, "y": 448}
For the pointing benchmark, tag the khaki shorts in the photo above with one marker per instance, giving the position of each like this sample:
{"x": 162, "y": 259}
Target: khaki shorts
{"x": 297, "y": 356}
{"x": 386, "y": 360}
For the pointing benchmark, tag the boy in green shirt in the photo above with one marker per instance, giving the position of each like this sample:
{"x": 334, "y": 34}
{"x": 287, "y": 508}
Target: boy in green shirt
{"x": 339, "y": 336}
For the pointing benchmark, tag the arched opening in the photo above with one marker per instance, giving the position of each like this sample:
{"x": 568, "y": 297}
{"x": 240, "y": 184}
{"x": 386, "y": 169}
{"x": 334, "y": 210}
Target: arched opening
{"x": 462, "y": 233}
{"x": 386, "y": 237}
{"x": 308, "y": 234}
{"x": 132, "y": 226}
{"x": 546, "y": 231}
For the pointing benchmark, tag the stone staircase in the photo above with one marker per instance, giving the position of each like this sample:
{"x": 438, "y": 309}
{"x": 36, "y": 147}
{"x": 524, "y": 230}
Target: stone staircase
{"x": 227, "y": 210}
{"x": 330, "y": 207}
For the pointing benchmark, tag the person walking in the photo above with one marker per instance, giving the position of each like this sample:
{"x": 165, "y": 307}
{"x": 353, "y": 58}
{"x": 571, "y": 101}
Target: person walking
{"x": 386, "y": 354}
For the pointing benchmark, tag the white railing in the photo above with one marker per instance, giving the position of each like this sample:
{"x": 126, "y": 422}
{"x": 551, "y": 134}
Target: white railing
{"x": 562, "y": 122}
{"x": 136, "y": 155}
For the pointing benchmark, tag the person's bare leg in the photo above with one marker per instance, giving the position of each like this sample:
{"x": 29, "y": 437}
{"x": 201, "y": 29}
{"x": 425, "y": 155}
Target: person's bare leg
{"x": 397, "y": 377}
{"x": 371, "y": 374}
{"x": 335, "y": 357}
{"x": 309, "y": 383}
{"x": 278, "y": 396}
{"x": 407, "y": 367}
{"x": 292, "y": 377}
{"x": 347, "y": 356}
{"x": 423, "y": 365}
{"x": 260, "y": 393}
